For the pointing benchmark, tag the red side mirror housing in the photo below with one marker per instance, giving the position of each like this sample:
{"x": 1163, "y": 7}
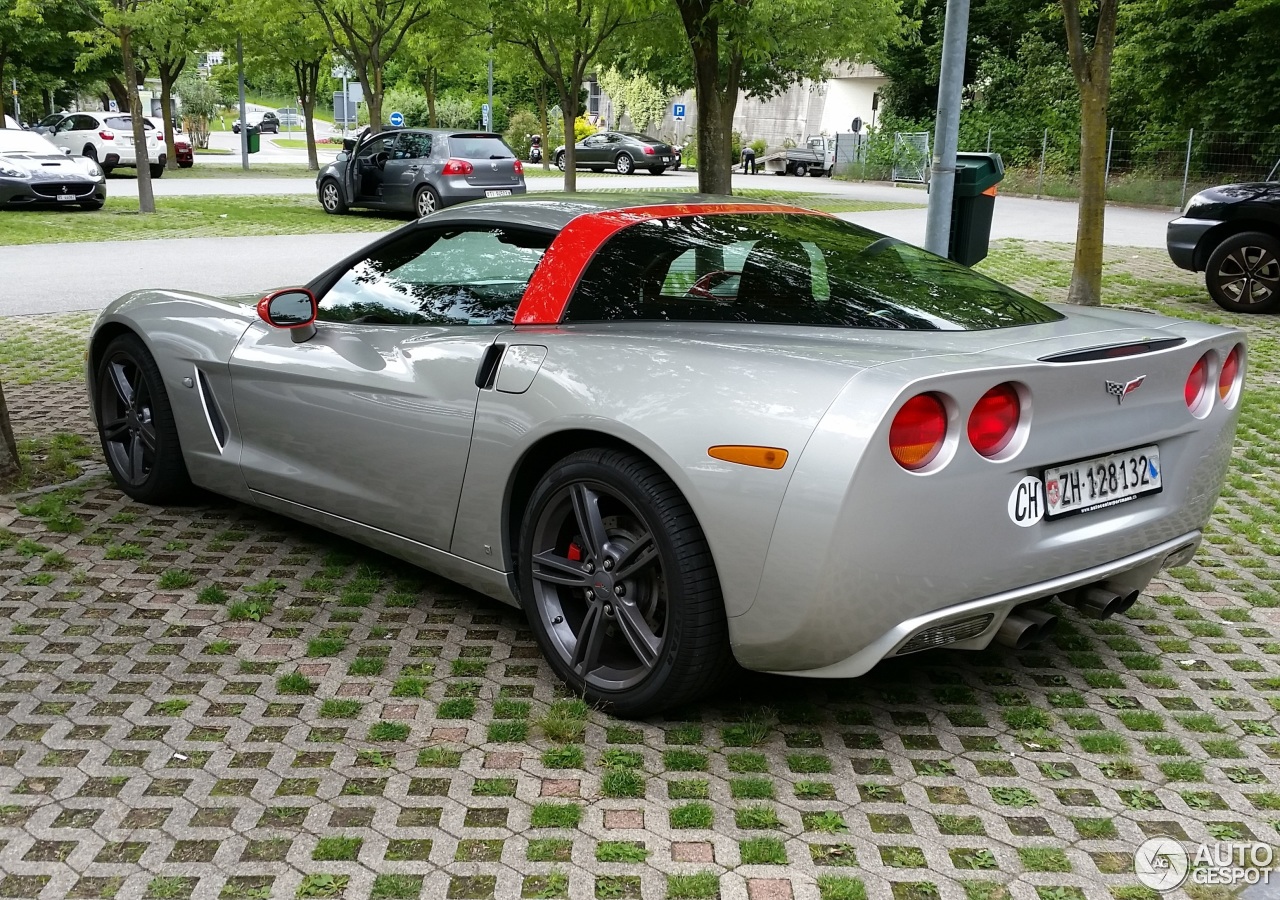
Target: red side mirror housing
{"x": 288, "y": 308}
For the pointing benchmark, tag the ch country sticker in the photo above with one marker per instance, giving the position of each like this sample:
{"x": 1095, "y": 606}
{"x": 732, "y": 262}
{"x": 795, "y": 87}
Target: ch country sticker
{"x": 1026, "y": 502}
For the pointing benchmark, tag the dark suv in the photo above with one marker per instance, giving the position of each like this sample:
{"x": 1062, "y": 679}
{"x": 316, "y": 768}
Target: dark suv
{"x": 1232, "y": 234}
{"x": 419, "y": 171}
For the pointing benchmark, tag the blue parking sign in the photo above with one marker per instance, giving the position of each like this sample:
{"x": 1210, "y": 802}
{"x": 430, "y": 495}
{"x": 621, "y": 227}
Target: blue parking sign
{"x": 677, "y": 110}
{"x": 397, "y": 120}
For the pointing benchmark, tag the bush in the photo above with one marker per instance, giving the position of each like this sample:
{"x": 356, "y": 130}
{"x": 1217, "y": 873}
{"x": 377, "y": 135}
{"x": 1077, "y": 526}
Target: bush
{"x": 523, "y": 123}
{"x": 582, "y": 129}
{"x": 412, "y": 103}
{"x": 457, "y": 112}
{"x": 759, "y": 146}
{"x": 735, "y": 146}
{"x": 689, "y": 155}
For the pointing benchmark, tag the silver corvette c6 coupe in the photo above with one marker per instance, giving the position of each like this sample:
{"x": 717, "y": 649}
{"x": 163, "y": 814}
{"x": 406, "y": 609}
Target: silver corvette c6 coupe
{"x": 689, "y": 432}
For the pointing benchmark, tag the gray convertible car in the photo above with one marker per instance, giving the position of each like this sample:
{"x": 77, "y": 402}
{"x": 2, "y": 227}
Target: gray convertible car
{"x": 419, "y": 171}
{"x": 685, "y": 432}
{"x": 33, "y": 172}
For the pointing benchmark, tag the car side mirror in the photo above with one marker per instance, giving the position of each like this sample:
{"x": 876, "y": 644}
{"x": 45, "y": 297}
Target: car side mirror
{"x": 293, "y": 309}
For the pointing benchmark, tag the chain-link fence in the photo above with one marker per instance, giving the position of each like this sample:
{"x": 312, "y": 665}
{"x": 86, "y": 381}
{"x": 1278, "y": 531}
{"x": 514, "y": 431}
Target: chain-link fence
{"x": 1154, "y": 168}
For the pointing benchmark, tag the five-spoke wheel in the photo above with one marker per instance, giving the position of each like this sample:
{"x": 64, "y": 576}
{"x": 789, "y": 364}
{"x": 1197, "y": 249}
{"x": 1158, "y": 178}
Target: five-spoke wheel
{"x": 619, "y": 585}
{"x": 136, "y": 426}
{"x": 1243, "y": 274}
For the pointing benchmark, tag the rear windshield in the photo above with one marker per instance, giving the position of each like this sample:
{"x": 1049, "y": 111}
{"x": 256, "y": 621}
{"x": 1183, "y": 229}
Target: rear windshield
{"x": 478, "y": 146}
{"x": 123, "y": 122}
{"x": 788, "y": 269}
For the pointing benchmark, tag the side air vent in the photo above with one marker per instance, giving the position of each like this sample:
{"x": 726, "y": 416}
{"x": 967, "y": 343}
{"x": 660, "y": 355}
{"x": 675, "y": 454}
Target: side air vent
{"x": 947, "y": 633}
{"x": 217, "y": 425}
{"x": 1114, "y": 351}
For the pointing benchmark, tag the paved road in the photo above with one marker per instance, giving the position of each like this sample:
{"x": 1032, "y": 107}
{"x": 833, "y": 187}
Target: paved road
{"x": 103, "y": 271}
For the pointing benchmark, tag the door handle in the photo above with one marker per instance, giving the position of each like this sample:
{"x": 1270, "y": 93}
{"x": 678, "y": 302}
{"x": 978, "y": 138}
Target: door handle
{"x": 412, "y": 169}
{"x": 489, "y": 365}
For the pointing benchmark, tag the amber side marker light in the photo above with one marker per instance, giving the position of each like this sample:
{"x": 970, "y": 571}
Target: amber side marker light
{"x": 760, "y": 457}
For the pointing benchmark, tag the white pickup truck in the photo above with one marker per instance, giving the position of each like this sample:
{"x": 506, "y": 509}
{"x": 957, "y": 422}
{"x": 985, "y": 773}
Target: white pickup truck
{"x": 817, "y": 157}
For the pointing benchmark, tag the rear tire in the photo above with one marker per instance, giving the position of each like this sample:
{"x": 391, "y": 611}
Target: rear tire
{"x": 656, "y": 637}
{"x": 802, "y": 170}
{"x": 426, "y": 201}
{"x": 136, "y": 426}
{"x": 331, "y": 198}
{"x": 658, "y": 171}
{"x": 157, "y": 169}
{"x": 1243, "y": 274}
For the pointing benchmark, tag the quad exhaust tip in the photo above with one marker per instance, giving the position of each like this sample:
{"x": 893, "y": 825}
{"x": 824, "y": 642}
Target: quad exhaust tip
{"x": 1024, "y": 627}
{"x": 1102, "y": 601}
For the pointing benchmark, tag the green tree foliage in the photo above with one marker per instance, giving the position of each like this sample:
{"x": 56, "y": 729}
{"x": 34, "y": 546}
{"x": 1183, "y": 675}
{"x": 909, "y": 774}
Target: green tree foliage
{"x": 173, "y": 32}
{"x": 565, "y": 38}
{"x": 1209, "y": 65}
{"x": 762, "y": 48}
{"x": 523, "y": 123}
{"x": 200, "y": 102}
{"x": 635, "y": 95}
{"x": 370, "y": 33}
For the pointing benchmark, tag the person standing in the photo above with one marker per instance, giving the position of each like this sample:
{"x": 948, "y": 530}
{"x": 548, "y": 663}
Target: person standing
{"x": 748, "y": 159}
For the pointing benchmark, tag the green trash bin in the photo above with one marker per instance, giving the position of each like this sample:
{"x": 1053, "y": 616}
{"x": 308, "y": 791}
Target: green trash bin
{"x": 972, "y": 205}
{"x": 254, "y": 134}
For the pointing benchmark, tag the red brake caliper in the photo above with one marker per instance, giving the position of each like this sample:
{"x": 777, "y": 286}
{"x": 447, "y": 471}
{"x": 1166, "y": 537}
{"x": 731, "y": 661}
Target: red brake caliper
{"x": 575, "y": 552}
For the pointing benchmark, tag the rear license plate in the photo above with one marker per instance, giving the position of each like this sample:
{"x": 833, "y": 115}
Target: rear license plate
{"x": 1103, "y": 481}
{"x": 497, "y": 193}
{"x": 66, "y": 196}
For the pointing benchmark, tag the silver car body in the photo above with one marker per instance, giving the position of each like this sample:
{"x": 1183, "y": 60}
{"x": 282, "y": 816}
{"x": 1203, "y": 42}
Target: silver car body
{"x": 828, "y": 565}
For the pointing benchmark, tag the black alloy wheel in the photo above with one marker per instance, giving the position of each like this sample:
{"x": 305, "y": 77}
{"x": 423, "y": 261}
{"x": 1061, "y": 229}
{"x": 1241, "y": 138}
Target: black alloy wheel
{"x": 1243, "y": 273}
{"x": 136, "y": 424}
{"x": 619, "y": 585}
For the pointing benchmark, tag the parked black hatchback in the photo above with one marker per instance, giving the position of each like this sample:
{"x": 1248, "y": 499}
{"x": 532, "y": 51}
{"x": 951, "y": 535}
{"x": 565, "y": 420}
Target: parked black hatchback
{"x": 1232, "y": 234}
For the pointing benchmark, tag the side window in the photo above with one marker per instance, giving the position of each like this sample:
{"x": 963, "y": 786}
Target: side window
{"x": 462, "y": 276}
{"x": 594, "y": 140}
{"x": 412, "y": 146}
{"x": 378, "y": 145}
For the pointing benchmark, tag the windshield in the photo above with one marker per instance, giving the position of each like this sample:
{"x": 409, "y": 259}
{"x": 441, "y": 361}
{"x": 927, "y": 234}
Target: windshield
{"x": 788, "y": 269}
{"x": 12, "y": 141}
{"x": 478, "y": 146}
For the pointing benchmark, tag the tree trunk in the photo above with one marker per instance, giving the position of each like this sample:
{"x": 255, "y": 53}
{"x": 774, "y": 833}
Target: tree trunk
{"x": 118, "y": 92}
{"x": 307, "y": 76}
{"x": 716, "y": 101}
{"x": 1086, "y": 272}
{"x": 9, "y": 467}
{"x": 569, "y": 107}
{"x": 168, "y": 75}
{"x": 542, "y": 123}
{"x": 146, "y": 199}
{"x": 430, "y": 84}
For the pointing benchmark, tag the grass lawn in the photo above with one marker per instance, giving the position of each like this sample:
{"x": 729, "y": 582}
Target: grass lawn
{"x": 211, "y": 151}
{"x": 288, "y": 143}
{"x": 183, "y": 217}
{"x": 220, "y": 170}
{"x": 230, "y": 216}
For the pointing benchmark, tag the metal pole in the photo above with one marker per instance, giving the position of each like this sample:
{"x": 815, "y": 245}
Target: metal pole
{"x": 942, "y": 178}
{"x": 346, "y": 103}
{"x": 1186, "y": 169}
{"x": 1044, "y": 149}
{"x": 244, "y": 109}
{"x": 1111, "y": 136}
{"x": 17, "y": 106}
{"x": 492, "y": 119}
{"x": 988, "y": 140}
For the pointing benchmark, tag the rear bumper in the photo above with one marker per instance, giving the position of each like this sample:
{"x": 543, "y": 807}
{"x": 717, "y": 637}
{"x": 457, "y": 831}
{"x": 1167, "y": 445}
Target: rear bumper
{"x": 457, "y": 190}
{"x": 1183, "y": 237}
{"x": 1134, "y": 572}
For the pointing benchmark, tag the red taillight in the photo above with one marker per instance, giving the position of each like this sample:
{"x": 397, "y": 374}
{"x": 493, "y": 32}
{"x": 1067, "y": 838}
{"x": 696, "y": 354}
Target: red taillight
{"x": 457, "y": 167}
{"x": 917, "y": 432}
{"x": 1197, "y": 381}
{"x": 648, "y": 151}
{"x": 107, "y": 135}
{"x": 994, "y": 419}
{"x": 519, "y": 167}
{"x": 1230, "y": 371}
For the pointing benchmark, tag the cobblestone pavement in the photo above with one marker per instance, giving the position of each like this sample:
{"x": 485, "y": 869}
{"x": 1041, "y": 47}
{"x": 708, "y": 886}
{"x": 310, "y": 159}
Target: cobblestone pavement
{"x": 214, "y": 702}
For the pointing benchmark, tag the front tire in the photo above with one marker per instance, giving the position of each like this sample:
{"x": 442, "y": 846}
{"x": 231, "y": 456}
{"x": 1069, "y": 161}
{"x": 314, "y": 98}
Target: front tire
{"x": 136, "y": 425}
{"x": 624, "y": 164}
{"x": 93, "y": 204}
{"x": 1243, "y": 274}
{"x": 426, "y": 201}
{"x": 331, "y": 198}
{"x": 560, "y": 161}
{"x": 619, "y": 585}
